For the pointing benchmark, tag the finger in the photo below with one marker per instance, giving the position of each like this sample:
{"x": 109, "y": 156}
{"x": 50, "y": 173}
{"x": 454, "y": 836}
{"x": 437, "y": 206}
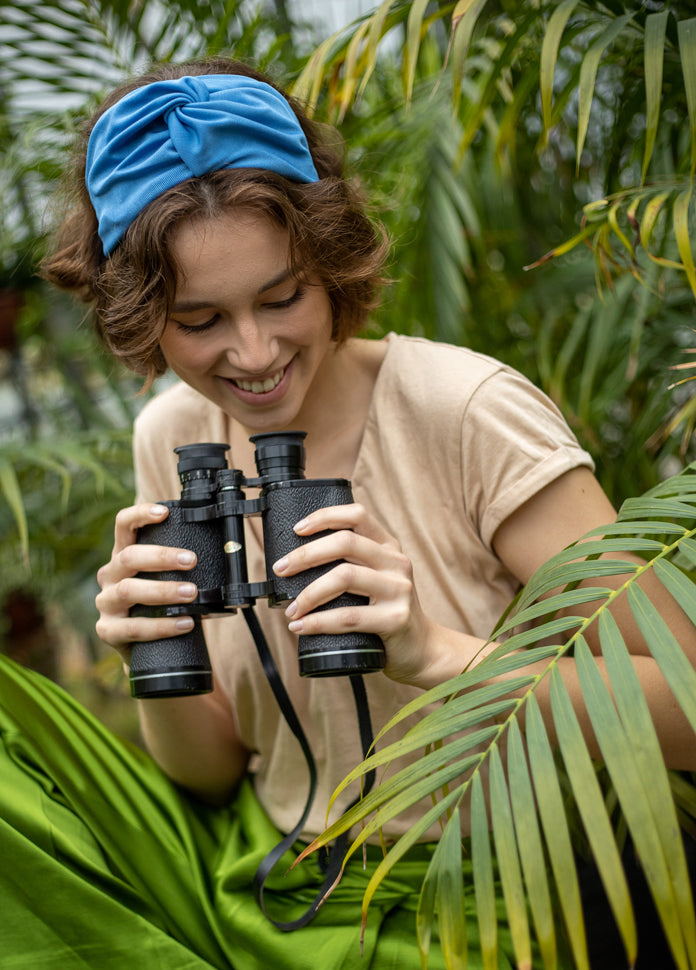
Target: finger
{"x": 119, "y": 597}
{"x": 345, "y": 545}
{"x": 146, "y": 558}
{"x": 129, "y": 520}
{"x": 347, "y": 578}
{"x": 381, "y": 618}
{"x": 119, "y": 631}
{"x": 353, "y": 516}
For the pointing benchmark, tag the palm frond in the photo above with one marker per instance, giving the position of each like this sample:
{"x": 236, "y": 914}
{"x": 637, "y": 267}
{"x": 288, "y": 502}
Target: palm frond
{"x": 589, "y": 52}
{"x": 490, "y": 733}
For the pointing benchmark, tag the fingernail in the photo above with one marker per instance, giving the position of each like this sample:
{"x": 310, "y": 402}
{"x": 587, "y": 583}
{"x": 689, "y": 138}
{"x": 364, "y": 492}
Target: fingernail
{"x": 295, "y": 626}
{"x": 186, "y": 590}
{"x": 157, "y": 509}
{"x": 184, "y": 623}
{"x": 186, "y": 558}
{"x": 280, "y": 566}
{"x": 292, "y": 609}
{"x": 300, "y": 526}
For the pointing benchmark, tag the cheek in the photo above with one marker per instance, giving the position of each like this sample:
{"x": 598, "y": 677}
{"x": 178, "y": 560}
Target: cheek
{"x": 183, "y": 354}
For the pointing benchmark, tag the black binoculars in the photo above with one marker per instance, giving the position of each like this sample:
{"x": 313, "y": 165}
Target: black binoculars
{"x": 209, "y": 519}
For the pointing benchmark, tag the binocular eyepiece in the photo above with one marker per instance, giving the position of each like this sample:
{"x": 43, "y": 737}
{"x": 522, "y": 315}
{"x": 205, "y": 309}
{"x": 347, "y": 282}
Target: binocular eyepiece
{"x": 208, "y": 518}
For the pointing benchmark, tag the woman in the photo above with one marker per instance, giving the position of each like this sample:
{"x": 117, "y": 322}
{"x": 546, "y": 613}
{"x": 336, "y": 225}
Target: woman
{"x": 216, "y": 236}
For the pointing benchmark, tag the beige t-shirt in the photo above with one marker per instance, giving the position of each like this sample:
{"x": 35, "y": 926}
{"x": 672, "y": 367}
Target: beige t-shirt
{"x": 454, "y": 443}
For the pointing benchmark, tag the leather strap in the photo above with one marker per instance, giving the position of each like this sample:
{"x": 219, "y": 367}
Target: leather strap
{"x": 330, "y": 866}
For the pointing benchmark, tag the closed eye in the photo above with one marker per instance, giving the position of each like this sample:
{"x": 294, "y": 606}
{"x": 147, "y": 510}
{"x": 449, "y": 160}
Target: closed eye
{"x": 284, "y": 304}
{"x": 197, "y": 327}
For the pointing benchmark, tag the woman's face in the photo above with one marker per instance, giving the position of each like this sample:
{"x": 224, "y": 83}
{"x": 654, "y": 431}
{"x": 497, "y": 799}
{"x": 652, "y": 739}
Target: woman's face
{"x": 241, "y": 330}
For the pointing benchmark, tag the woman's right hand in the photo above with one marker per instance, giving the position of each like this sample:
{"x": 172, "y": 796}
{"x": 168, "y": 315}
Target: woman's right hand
{"x": 121, "y": 590}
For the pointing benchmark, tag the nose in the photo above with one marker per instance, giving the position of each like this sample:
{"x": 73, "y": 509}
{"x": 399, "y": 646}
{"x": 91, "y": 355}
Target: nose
{"x": 252, "y": 349}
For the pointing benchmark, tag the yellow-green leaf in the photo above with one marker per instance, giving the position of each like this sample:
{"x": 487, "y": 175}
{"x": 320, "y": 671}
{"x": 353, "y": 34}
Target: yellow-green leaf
{"x": 549, "y": 56}
{"x": 450, "y": 895}
{"x": 12, "y": 492}
{"x": 588, "y": 76}
{"x": 687, "y": 51}
{"x": 555, "y": 826}
{"x": 376, "y": 23}
{"x": 590, "y": 803}
{"x": 635, "y": 716}
{"x": 349, "y": 69}
{"x": 509, "y": 864}
{"x": 464, "y": 17}
{"x": 633, "y": 787}
{"x": 655, "y": 26}
{"x": 680, "y": 217}
{"x": 482, "y": 870}
{"x": 413, "y": 41}
{"x": 530, "y": 845}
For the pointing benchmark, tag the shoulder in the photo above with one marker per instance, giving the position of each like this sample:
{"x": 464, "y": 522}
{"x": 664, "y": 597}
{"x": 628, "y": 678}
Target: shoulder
{"x": 176, "y": 416}
{"x": 434, "y": 378}
{"x": 416, "y": 361}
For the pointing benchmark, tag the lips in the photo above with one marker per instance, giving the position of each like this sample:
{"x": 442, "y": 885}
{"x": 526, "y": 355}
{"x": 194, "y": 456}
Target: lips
{"x": 261, "y": 391}
{"x": 260, "y": 386}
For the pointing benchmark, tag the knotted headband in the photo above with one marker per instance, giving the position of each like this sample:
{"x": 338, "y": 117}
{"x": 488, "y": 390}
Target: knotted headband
{"x": 169, "y": 131}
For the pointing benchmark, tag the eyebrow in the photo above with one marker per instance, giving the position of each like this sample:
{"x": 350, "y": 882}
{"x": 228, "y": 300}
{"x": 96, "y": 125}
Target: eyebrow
{"x": 188, "y": 306}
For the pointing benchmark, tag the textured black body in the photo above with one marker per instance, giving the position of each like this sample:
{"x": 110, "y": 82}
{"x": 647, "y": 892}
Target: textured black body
{"x": 180, "y": 665}
{"x": 212, "y": 496}
{"x": 287, "y": 503}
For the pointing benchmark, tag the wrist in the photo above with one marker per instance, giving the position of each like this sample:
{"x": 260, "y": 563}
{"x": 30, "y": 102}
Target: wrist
{"x": 445, "y": 654}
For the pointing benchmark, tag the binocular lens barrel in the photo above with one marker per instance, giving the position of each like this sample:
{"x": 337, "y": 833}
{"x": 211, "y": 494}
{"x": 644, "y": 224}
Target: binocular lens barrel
{"x": 200, "y": 521}
{"x": 280, "y": 456}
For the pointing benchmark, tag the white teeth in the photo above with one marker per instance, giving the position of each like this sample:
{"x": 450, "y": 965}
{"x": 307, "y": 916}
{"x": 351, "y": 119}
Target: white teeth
{"x": 261, "y": 387}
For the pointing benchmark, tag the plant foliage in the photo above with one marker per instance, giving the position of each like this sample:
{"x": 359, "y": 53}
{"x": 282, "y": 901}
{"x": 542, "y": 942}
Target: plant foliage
{"x": 488, "y": 751}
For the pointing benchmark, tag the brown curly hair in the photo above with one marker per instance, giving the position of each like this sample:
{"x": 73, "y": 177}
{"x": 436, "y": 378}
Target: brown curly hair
{"x": 331, "y": 236}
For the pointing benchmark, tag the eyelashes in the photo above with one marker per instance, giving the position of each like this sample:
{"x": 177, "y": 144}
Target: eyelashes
{"x": 296, "y": 297}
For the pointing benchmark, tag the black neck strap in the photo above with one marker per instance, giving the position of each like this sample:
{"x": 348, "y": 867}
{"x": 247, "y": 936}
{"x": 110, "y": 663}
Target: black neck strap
{"x": 331, "y": 866}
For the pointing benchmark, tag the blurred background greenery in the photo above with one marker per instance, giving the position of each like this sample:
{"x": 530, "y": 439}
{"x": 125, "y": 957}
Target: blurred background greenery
{"x": 532, "y": 161}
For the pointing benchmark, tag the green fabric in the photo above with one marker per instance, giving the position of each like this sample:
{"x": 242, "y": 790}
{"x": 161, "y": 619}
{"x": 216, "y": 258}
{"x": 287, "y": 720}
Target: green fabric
{"x": 106, "y": 864}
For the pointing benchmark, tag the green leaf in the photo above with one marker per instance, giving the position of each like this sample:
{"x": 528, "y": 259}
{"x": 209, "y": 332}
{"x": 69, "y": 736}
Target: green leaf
{"x": 635, "y": 790}
{"x": 588, "y": 76}
{"x": 12, "y": 494}
{"x": 530, "y": 845}
{"x": 655, "y": 27}
{"x": 549, "y": 56}
{"x": 450, "y": 894}
{"x": 482, "y": 870}
{"x": 555, "y": 827}
{"x": 376, "y": 23}
{"x": 464, "y": 18}
{"x": 413, "y": 41}
{"x": 593, "y": 812}
{"x": 680, "y": 215}
{"x": 509, "y": 864}
{"x": 687, "y": 50}
{"x": 673, "y": 663}
{"x": 678, "y": 583}
{"x": 398, "y": 851}
{"x": 645, "y": 747}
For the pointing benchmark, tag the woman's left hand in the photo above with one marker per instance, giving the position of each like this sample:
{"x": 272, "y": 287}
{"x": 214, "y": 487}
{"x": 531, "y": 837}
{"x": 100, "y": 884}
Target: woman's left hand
{"x": 373, "y": 565}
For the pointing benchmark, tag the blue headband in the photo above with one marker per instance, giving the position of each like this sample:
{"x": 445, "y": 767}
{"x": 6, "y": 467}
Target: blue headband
{"x": 169, "y": 131}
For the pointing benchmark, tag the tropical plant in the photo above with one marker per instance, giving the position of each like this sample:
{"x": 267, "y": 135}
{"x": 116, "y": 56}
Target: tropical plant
{"x": 517, "y": 75}
{"x": 478, "y": 758}
{"x": 496, "y": 136}
{"x": 528, "y": 134}
{"x": 65, "y": 463}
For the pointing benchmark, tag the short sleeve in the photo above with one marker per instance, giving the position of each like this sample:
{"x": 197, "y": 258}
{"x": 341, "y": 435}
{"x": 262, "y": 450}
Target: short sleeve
{"x": 515, "y": 441}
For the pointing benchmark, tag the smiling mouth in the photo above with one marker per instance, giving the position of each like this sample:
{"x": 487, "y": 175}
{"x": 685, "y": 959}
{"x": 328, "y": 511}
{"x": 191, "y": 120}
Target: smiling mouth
{"x": 260, "y": 387}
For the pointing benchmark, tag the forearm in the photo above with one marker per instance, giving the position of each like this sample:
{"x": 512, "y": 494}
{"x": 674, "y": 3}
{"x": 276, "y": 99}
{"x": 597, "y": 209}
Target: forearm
{"x": 451, "y": 652}
{"x": 194, "y": 741}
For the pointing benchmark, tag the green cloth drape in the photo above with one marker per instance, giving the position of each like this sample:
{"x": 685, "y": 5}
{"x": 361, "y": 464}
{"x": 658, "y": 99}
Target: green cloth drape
{"x": 105, "y": 864}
